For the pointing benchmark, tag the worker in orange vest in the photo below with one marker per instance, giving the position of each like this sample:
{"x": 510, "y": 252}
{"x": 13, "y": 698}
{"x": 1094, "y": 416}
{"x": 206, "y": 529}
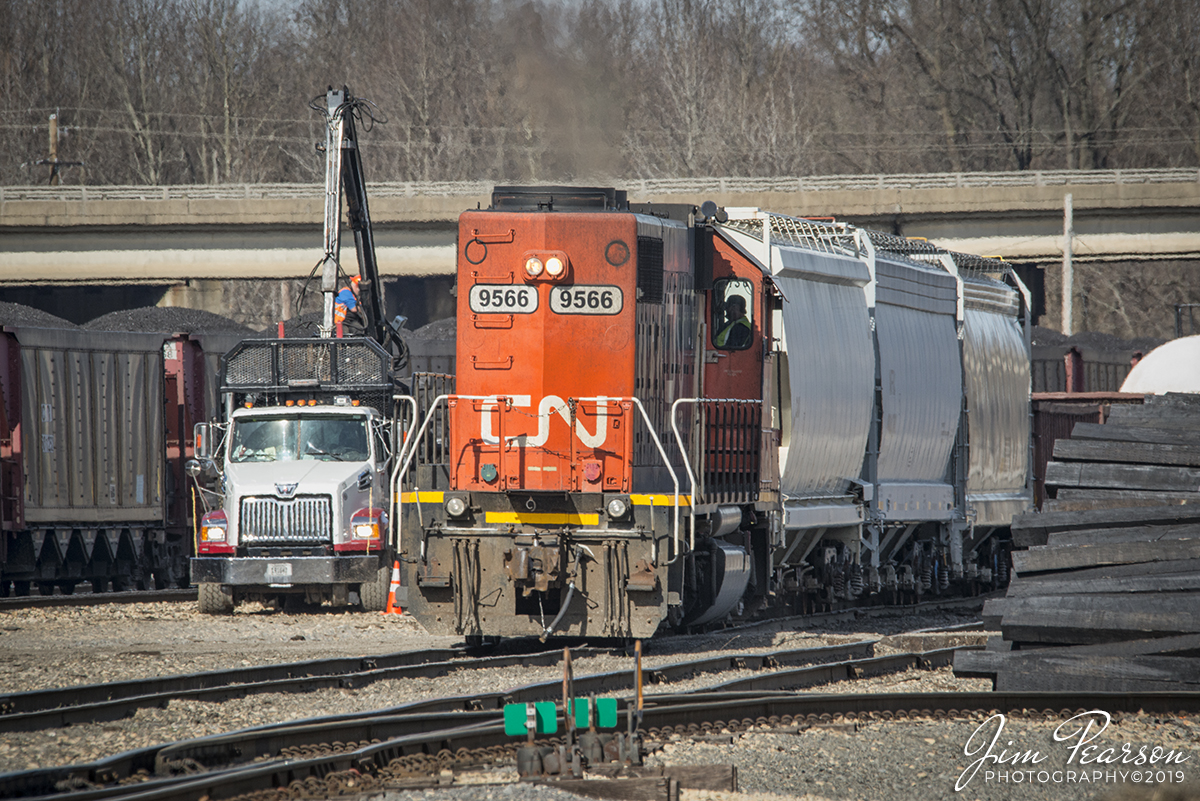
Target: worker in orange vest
{"x": 346, "y": 300}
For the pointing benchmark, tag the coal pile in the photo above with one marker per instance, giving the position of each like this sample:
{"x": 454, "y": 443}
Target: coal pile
{"x": 1108, "y": 583}
{"x": 439, "y": 329}
{"x": 167, "y": 319}
{"x": 431, "y": 348}
{"x": 20, "y": 316}
{"x": 304, "y": 325}
{"x": 1040, "y": 336}
{"x": 1098, "y": 340}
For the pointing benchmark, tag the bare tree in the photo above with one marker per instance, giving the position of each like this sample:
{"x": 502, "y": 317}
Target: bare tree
{"x": 139, "y": 44}
{"x": 235, "y": 69}
{"x": 1102, "y": 60}
{"x": 166, "y": 91}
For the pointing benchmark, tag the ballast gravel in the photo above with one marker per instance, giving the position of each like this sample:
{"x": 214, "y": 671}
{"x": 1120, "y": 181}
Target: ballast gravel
{"x": 56, "y": 647}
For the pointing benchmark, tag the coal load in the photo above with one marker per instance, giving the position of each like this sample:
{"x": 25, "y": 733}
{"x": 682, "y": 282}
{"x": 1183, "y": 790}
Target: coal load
{"x": 1103, "y": 360}
{"x": 167, "y": 319}
{"x": 301, "y": 326}
{"x": 1106, "y": 593}
{"x": 16, "y": 315}
{"x": 431, "y": 347}
{"x": 437, "y": 330}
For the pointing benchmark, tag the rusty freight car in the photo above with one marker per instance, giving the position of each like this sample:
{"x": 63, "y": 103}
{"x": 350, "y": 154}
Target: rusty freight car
{"x": 94, "y": 431}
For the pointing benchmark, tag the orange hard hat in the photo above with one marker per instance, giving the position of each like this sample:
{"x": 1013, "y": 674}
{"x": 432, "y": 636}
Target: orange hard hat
{"x": 354, "y": 279}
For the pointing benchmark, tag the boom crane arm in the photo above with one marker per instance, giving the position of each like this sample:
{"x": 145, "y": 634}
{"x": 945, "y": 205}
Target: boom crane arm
{"x": 344, "y": 173}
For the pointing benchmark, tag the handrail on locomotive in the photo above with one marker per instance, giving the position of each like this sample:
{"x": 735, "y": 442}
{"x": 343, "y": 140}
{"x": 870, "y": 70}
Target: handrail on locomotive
{"x": 683, "y": 452}
{"x": 408, "y": 451}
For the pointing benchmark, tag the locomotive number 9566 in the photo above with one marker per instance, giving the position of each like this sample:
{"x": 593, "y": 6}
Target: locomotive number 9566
{"x": 595, "y": 299}
{"x": 503, "y": 299}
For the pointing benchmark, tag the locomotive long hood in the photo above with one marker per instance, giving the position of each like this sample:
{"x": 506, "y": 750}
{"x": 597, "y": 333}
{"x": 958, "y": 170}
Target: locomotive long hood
{"x": 308, "y": 477}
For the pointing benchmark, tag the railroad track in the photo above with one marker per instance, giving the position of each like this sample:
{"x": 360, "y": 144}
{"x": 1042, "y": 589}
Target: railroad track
{"x": 97, "y": 599}
{"x": 790, "y": 623}
{"x": 83, "y": 598}
{"x": 427, "y": 723}
{"x": 36, "y": 710}
{"x": 65, "y": 706}
{"x": 58, "y": 707}
{"x": 411, "y": 750}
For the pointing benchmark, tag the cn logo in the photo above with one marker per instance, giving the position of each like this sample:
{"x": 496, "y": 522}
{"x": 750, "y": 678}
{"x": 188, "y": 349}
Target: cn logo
{"x": 549, "y": 405}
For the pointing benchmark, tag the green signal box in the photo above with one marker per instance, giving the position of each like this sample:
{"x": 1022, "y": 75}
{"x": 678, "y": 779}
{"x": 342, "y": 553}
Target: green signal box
{"x": 601, "y": 712}
{"x": 543, "y": 714}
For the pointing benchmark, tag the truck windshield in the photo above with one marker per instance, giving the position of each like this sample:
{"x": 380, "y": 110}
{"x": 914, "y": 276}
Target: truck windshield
{"x": 286, "y": 439}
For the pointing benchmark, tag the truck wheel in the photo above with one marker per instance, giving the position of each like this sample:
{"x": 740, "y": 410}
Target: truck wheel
{"x": 215, "y": 599}
{"x": 374, "y": 595}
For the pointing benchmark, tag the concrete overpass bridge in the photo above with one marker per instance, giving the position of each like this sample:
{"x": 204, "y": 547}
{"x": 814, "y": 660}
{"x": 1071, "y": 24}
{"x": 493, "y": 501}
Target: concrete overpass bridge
{"x": 185, "y": 239}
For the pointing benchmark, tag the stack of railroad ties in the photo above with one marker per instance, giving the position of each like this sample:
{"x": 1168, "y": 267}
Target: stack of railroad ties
{"x": 1106, "y": 587}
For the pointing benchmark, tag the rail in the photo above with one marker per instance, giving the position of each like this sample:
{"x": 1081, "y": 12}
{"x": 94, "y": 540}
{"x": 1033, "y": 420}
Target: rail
{"x": 636, "y": 187}
{"x": 666, "y": 462}
{"x": 404, "y": 459}
{"x": 683, "y": 451}
{"x": 404, "y": 440}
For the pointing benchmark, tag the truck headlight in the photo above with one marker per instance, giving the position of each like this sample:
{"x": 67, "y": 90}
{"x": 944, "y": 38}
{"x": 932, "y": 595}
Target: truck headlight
{"x": 365, "y": 524}
{"x": 366, "y": 531}
{"x": 214, "y": 527}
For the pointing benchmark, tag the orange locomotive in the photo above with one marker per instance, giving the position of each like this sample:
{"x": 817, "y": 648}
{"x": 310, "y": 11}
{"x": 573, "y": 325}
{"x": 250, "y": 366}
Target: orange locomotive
{"x": 563, "y": 504}
{"x": 609, "y": 459}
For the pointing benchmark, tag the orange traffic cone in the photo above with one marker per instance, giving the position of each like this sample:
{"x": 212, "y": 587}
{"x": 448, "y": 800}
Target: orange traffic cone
{"x": 392, "y": 607}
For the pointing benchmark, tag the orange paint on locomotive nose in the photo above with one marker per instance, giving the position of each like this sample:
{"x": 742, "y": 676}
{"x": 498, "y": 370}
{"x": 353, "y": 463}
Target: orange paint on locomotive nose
{"x": 537, "y": 352}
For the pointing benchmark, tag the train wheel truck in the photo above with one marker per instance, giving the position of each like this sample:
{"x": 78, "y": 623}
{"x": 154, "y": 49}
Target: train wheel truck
{"x": 295, "y": 477}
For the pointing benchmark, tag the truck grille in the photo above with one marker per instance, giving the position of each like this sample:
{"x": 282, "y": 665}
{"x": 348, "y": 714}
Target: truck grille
{"x": 298, "y": 520}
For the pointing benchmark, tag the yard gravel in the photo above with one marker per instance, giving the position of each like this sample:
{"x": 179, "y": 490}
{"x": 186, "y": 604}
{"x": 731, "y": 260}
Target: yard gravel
{"x": 54, "y": 647}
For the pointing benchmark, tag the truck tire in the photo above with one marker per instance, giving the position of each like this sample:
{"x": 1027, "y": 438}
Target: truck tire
{"x": 374, "y": 594}
{"x": 215, "y": 599}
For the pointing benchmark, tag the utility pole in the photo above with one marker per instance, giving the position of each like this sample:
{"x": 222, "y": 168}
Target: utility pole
{"x": 1068, "y": 269}
{"x": 53, "y": 160}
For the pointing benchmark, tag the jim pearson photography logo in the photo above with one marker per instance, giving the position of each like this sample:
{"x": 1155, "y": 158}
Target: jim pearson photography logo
{"x": 1087, "y": 761}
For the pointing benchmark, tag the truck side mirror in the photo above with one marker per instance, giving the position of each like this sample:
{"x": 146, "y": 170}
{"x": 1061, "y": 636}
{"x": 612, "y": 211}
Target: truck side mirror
{"x": 201, "y": 433}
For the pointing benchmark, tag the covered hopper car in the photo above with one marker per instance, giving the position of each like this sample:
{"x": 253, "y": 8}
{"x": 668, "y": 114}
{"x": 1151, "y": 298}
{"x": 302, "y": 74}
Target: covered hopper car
{"x": 678, "y": 415}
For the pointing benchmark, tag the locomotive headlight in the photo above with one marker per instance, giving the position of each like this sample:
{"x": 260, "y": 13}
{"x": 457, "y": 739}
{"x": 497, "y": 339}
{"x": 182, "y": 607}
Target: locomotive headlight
{"x": 456, "y": 506}
{"x": 555, "y": 266}
{"x": 533, "y": 266}
{"x": 617, "y": 508}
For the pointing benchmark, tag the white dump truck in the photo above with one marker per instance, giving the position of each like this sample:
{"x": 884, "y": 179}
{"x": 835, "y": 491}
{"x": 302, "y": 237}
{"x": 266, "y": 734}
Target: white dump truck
{"x": 294, "y": 478}
{"x": 300, "y": 482}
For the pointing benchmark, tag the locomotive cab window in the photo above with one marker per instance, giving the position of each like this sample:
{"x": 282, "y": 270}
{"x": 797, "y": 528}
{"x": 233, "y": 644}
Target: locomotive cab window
{"x": 732, "y": 314}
